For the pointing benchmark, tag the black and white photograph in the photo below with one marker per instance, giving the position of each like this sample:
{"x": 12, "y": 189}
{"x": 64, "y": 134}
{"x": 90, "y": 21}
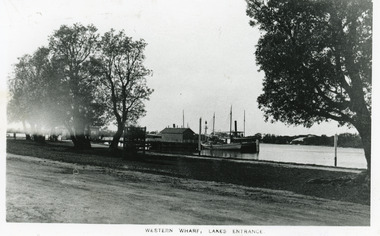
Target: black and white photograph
{"x": 189, "y": 117}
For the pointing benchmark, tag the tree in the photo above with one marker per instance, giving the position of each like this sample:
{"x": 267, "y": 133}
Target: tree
{"x": 32, "y": 102}
{"x": 258, "y": 136}
{"x": 123, "y": 88}
{"x": 72, "y": 48}
{"x": 317, "y": 59}
{"x": 17, "y": 109}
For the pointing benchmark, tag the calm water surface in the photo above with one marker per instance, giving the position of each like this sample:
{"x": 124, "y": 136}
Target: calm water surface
{"x": 319, "y": 155}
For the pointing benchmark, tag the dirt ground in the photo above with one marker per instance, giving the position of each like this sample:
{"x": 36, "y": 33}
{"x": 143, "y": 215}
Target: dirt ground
{"x": 40, "y": 190}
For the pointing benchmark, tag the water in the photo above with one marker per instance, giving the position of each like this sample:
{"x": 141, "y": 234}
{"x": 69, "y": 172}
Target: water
{"x": 304, "y": 154}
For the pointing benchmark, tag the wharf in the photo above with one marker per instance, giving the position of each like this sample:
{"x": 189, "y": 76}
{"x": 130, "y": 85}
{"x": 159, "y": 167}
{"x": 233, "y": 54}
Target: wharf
{"x": 264, "y": 162}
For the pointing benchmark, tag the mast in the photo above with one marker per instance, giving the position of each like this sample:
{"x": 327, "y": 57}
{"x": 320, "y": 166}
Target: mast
{"x": 244, "y": 125}
{"x": 200, "y": 136}
{"x": 183, "y": 118}
{"x": 231, "y": 122}
{"x": 213, "y": 124}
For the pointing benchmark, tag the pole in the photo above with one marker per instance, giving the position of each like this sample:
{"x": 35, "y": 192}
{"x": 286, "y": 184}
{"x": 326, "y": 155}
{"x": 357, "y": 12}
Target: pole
{"x": 231, "y": 123}
{"x": 336, "y": 149}
{"x": 244, "y": 125}
{"x": 199, "y": 136}
{"x": 257, "y": 146}
{"x": 144, "y": 141}
{"x": 213, "y": 124}
{"x": 183, "y": 118}
{"x": 235, "y": 133}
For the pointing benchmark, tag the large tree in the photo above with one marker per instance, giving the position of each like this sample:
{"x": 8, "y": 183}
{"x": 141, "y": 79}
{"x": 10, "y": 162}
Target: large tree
{"x": 72, "y": 48}
{"x": 18, "y": 84}
{"x": 32, "y": 101}
{"x": 317, "y": 59}
{"x": 122, "y": 79}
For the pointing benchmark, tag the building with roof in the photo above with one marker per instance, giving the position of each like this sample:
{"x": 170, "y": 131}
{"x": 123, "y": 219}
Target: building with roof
{"x": 179, "y": 135}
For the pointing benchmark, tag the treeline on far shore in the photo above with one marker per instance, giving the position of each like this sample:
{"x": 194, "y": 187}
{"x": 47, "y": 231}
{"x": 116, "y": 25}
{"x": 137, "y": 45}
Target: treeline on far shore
{"x": 344, "y": 140}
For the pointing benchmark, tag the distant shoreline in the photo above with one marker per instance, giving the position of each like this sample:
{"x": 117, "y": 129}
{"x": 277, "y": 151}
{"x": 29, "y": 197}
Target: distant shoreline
{"x": 311, "y": 145}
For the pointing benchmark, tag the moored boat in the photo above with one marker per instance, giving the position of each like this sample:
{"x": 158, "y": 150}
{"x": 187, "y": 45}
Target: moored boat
{"x": 234, "y": 142}
{"x": 222, "y": 146}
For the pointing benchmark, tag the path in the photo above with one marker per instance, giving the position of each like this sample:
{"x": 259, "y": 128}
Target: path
{"x": 40, "y": 190}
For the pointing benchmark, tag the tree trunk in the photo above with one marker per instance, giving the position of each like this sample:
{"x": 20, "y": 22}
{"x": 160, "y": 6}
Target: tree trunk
{"x": 78, "y": 134}
{"x": 39, "y": 138}
{"x": 116, "y": 138}
{"x": 79, "y": 138}
{"x": 81, "y": 142}
{"x": 364, "y": 129}
{"x": 27, "y": 135}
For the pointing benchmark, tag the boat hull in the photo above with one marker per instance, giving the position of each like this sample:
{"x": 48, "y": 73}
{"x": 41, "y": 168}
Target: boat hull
{"x": 228, "y": 146}
{"x": 248, "y": 147}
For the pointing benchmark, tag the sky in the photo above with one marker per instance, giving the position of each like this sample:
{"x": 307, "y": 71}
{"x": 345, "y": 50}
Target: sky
{"x": 201, "y": 53}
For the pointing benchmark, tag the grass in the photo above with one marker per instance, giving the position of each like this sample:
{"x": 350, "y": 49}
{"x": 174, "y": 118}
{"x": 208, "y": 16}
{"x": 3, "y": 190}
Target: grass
{"x": 313, "y": 182}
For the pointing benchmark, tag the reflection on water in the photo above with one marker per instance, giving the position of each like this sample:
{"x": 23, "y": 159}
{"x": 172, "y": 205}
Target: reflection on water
{"x": 319, "y": 155}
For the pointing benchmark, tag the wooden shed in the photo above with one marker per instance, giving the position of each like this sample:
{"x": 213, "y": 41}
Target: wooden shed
{"x": 180, "y": 135}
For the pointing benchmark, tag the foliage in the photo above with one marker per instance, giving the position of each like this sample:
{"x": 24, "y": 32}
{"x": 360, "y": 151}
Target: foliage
{"x": 344, "y": 140}
{"x": 276, "y": 139}
{"x": 317, "y": 59}
{"x": 32, "y": 100}
{"x": 80, "y": 80}
{"x": 349, "y": 140}
{"x": 122, "y": 78}
{"x": 71, "y": 48}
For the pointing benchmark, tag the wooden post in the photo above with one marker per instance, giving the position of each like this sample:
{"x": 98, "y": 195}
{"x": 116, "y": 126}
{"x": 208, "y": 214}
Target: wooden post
{"x": 257, "y": 146}
{"x": 144, "y": 141}
{"x": 336, "y": 149}
{"x": 199, "y": 136}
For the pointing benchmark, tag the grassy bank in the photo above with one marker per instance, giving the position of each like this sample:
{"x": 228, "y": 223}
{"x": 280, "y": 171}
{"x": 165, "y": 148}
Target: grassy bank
{"x": 313, "y": 182}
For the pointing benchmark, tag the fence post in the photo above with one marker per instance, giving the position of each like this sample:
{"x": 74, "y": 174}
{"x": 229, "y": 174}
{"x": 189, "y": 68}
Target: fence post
{"x": 257, "y": 146}
{"x": 124, "y": 145}
{"x": 336, "y": 149}
{"x": 144, "y": 141}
